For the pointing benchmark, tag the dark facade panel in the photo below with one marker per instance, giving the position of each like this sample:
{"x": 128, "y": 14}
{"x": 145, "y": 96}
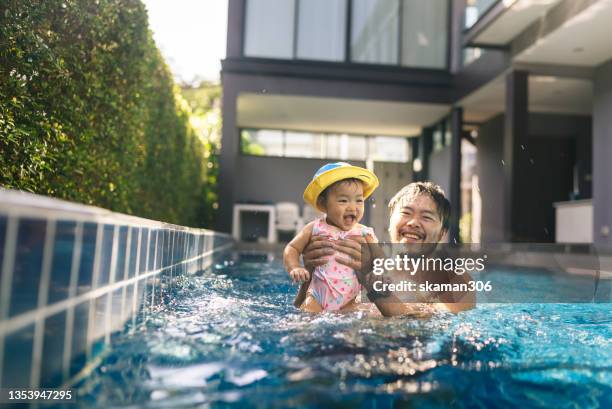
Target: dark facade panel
{"x": 339, "y": 87}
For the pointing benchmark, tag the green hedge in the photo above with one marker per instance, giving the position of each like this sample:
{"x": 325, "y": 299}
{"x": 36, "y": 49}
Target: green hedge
{"x": 89, "y": 111}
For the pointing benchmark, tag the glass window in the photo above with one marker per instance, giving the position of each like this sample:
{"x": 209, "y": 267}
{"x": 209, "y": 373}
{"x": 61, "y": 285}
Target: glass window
{"x": 262, "y": 142}
{"x": 375, "y": 31}
{"x": 332, "y": 146}
{"x": 269, "y": 28}
{"x": 295, "y": 144}
{"x": 424, "y": 33}
{"x": 321, "y": 30}
{"x": 388, "y": 149}
{"x": 476, "y": 9}
{"x": 303, "y": 145}
{"x": 356, "y": 147}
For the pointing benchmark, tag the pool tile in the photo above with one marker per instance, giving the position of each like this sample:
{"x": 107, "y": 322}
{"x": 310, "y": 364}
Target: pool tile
{"x": 28, "y": 265}
{"x": 79, "y": 338}
{"x": 88, "y": 250}
{"x": 161, "y": 246}
{"x": 99, "y": 317}
{"x": 129, "y": 297}
{"x": 62, "y": 261}
{"x": 115, "y": 319}
{"x": 133, "y": 252}
{"x": 105, "y": 256}
{"x": 2, "y": 237}
{"x": 144, "y": 245}
{"x": 18, "y": 358}
{"x": 152, "y": 248}
{"x": 53, "y": 350}
{"x": 122, "y": 254}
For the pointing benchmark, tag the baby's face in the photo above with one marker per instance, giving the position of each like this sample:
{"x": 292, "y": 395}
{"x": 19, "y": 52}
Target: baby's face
{"x": 344, "y": 205}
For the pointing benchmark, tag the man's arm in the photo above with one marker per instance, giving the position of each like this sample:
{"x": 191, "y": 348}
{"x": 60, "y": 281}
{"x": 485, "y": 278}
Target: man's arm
{"x": 461, "y": 301}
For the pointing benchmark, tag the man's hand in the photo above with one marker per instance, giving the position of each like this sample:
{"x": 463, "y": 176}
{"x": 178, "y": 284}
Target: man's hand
{"x": 317, "y": 252}
{"x": 299, "y": 275}
{"x": 351, "y": 252}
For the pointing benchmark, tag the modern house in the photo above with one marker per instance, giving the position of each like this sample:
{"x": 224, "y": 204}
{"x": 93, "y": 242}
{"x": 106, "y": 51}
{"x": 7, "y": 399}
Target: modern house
{"x": 506, "y": 104}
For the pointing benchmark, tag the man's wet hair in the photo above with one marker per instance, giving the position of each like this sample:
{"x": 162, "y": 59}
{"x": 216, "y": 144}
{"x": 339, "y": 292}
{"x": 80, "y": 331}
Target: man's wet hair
{"x": 325, "y": 192}
{"x": 435, "y": 192}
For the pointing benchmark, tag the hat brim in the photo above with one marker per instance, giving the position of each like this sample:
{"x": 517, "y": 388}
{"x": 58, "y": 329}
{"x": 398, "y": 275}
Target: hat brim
{"x": 324, "y": 180}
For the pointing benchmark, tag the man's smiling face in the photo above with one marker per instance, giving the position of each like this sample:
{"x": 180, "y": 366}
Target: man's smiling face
{"x": 416, "y": 220}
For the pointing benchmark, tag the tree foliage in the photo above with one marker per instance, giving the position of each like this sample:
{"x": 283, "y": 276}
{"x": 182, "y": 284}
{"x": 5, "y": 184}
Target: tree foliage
{"x": 89, "y": 111}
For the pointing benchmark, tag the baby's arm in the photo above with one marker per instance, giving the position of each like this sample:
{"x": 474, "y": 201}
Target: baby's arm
{"x": 291, "y": 255}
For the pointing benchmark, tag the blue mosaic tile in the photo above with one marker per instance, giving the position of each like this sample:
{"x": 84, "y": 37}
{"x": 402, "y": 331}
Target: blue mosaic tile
{"x": 88, "y": 250}
{"x": 116, "y": 304}
{"x": 99, "y": 316}
{"x": 53, "y": 351}
{"x": 18, "y": 358}
{"x": 28, "y": 264}
{"x": 144, "y": 245}
{"x": 105, "y": 256}
{"x": 151, "y": 256}
{"x": 62, "y": 261}
{"x": 122, "y": 252}
{"x": 78, "y": 356}
{"x": 2, "y": 237}
{"x": 129, "y": 298}
{"x": 133, "y": 252}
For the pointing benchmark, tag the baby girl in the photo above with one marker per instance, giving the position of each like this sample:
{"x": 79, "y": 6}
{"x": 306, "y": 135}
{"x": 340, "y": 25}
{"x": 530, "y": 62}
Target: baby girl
{"x": 338, "y": 190}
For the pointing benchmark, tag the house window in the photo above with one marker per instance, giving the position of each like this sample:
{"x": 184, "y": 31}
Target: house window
{"x": 410, "y": 33}
{"x": 302, "y": 144}
{"x": 269, "y": 28}
{"x": 294, "y": 144}
{"x": 321, "y": 30}
{"x": 388, "y": 149}
{"x": 424, "y": 33}
{"x": 261, "y": 142}
{"x": 476, "y": 9}
{"x": 374, "y": 36}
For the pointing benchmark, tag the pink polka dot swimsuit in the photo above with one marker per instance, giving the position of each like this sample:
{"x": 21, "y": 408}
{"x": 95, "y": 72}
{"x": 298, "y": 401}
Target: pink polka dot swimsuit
{"x": 334, "y": 285}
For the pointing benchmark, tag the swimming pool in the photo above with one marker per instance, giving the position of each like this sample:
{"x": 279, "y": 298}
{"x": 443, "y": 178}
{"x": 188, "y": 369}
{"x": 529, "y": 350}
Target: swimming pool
{"x": 230, "y": 337}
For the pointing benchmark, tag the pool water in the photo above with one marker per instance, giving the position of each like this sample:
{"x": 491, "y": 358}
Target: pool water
{"x": 230, "y": 337}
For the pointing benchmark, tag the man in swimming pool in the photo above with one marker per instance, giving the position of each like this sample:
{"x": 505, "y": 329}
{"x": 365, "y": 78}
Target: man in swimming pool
{"x": 419, "y": 217}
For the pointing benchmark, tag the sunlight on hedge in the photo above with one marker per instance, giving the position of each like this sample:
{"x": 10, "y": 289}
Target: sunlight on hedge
{"x": 89, "y": 112}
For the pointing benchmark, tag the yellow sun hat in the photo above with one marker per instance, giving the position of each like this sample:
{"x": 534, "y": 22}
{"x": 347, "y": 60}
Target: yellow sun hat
{"x": 334, "y": 172}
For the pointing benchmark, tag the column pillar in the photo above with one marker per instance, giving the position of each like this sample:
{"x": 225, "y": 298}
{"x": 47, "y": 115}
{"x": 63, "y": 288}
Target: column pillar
{"x": 230, "y": 146}
{"x": 515, "y": 149}
{"x": 456, "y": 124}
{"x": 425, "y": 148}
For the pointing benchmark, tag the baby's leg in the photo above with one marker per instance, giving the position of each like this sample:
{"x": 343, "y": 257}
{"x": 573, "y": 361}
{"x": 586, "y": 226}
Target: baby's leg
{"x": 311, "y": 305}
{"x": 351, "y": 306}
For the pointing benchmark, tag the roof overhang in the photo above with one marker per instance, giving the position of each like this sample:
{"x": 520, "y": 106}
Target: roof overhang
{"x": 336, "y": 115}
{"x": 505, "y": 20}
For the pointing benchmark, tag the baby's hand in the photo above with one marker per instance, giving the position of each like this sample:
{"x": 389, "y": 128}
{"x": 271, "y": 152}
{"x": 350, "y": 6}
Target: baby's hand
{"x": 299, "y": 274}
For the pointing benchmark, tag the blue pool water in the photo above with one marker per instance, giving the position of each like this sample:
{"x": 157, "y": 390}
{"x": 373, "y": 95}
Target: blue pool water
{"x": 230, "y": 337}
